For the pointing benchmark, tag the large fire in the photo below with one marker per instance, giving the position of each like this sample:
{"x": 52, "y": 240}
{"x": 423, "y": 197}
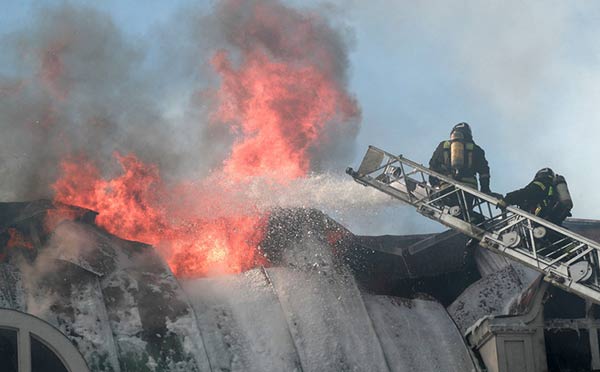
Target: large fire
{"x": 137, "y": 205}
{"x": 278, "y": 110}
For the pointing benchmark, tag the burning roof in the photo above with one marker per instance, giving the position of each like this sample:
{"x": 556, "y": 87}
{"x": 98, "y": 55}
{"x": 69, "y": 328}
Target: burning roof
{"x": 269, "y": 105}
{"x": 119, "y": 303}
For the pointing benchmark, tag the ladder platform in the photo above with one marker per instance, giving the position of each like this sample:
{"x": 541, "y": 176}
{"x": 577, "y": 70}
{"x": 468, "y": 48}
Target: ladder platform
{"x": 567, "y": 260}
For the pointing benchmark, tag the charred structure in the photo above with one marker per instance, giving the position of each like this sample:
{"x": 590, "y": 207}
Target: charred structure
{"x": 119, "y": 304}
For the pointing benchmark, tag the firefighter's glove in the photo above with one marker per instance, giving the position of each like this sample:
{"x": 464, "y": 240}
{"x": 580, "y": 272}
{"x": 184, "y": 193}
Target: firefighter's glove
{"x": 501, "y": 204}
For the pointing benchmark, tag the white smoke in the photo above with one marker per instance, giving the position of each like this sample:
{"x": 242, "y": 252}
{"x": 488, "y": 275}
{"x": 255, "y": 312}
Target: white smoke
{"x": 69, "y": 242}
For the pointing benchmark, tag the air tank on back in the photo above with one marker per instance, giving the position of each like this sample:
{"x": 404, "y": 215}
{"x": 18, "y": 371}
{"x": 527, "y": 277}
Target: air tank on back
{"x": 457, "y": 157}
{"x": 562, "y": 192}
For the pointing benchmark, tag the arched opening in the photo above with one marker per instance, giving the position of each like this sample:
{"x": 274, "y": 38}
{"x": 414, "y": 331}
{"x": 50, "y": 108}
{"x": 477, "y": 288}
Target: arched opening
{"x": 8, "y": 350}
{"x": 29, "y": 344}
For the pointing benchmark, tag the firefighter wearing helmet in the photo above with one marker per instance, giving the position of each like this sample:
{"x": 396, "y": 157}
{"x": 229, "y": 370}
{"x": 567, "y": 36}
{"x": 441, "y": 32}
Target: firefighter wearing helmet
{"x": 547, "y": 196}
{"x": 462, "y": 159}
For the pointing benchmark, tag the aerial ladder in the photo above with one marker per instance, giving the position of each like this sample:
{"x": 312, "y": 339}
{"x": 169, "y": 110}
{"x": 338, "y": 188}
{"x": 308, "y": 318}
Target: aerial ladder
{"x": 566, "y": 259}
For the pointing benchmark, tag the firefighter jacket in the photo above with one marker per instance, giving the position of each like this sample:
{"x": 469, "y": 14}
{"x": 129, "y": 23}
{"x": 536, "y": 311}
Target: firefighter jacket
{"x": 539, "y": 198}
{"x": 474, "y": 163}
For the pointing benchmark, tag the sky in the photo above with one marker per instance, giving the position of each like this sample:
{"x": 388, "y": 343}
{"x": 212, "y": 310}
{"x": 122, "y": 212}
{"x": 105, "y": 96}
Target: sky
{"x": 524, "y": 74}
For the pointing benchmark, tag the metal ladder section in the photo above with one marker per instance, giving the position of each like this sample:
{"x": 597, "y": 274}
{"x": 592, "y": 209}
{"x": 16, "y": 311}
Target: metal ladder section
{"x": 567, "y": 260}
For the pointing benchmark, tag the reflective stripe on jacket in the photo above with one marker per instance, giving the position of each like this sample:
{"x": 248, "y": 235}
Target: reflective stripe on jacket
{"x": 542, "y": 208}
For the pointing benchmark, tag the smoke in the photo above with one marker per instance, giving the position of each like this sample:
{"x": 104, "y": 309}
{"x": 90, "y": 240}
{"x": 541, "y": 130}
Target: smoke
{"x": 283, "y": 71}
{"x": 75, "y": 84}
{"x": 69, "y": 242}
{"x": 80, "y": 92}
{"x": 162, "y": 135}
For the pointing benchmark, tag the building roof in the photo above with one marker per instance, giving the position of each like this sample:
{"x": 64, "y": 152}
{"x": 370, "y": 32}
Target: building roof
{"x": 121, "y": 306}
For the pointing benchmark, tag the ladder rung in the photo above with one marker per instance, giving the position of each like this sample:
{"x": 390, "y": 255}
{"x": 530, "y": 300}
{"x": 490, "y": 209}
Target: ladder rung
{"x": 473, "y": 213}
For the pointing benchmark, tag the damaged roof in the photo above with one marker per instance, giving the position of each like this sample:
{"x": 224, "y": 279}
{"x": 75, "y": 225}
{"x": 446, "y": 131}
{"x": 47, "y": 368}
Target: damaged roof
{"x": 121, "y": 306}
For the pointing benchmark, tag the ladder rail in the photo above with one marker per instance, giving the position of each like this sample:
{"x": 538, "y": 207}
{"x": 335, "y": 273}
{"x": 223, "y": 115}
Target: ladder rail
{"x": 491, "y": 199}
{"x": 483, "y": 196}
{"x": 536, "y": 242}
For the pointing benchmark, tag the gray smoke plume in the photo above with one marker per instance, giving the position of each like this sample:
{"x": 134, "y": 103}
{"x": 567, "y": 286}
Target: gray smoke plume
{"x": 75, "y": 84}
{"x": 300, "y": 38}
{"x": 80, "y": 91}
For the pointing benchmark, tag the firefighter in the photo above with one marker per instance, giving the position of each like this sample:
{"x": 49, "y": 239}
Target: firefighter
{"x": 547, "y": 196}
{"x": 461, "y": 159}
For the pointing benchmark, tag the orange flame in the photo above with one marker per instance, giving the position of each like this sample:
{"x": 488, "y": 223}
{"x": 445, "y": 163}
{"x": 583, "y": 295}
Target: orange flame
{"x": 59, "y": 214}
{"x": 128, "y": 205}
{"x": 16, "y": 239}
{"x": 278, "y": 109}
{"x": 136, "y": 206}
